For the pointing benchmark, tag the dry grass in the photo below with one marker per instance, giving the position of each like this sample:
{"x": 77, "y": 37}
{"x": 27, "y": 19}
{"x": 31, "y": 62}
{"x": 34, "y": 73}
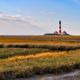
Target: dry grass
{"x": 39, "y": 39}
{"x": 45, "y": 54}
{"x": 50, "y": 62}
{"x": 38, "y": 56}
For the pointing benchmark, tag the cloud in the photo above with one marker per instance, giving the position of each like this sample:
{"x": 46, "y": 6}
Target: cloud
{"x": 19, "y": 19}
{"x": 26, "y": 19}
{"x": 16, "y": 18}
{"x": 18, "y": 24}
{"x": 25, "y": 22}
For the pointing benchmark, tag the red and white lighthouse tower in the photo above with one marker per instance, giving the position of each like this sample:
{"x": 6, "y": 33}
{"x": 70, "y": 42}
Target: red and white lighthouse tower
{"x": 60, "y": 31}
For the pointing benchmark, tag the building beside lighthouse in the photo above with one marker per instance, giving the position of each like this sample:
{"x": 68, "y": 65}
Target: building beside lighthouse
{"x": 59, "y": 32}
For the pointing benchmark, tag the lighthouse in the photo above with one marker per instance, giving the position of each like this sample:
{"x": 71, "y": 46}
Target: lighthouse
{"x": 60, "y": 31}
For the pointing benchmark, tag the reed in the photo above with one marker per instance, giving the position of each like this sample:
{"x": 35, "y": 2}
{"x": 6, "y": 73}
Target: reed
{"x": 26, "y": 56}
{"x": 30, "y": 65}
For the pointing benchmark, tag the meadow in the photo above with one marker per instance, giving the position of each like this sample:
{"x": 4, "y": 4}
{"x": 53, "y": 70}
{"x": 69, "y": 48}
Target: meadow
{"x": 26, "y": 56}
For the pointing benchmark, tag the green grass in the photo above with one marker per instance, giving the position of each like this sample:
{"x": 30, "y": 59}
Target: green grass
{"x": 28, "y": 49}
{"x": 15, "y": 46}
{"x": 21, "y": 68}
{"x": 10, "y": 52}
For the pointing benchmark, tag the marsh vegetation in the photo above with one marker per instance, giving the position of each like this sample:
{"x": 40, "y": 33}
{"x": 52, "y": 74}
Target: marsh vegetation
{"x": 24, "y": 57}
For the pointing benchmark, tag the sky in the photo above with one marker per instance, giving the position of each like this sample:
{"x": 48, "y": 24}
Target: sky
{"x": 37, "y": 17}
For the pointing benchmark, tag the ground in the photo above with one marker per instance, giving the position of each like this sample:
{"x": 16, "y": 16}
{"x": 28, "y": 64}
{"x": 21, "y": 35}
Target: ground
{"x": 26, "y": 56}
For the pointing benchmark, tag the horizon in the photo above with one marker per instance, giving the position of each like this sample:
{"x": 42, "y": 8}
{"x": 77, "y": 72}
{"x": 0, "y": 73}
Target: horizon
{"x": 30, "y": 17}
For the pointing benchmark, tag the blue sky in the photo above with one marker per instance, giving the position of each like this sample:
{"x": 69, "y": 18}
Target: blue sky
{"x": 28, "y": 17}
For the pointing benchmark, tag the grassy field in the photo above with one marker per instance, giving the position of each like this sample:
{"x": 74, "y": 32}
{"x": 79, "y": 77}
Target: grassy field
{"x": 26, "y": 56}
{"x": 31, "y": 65}
{"x": 39, "y": 39}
